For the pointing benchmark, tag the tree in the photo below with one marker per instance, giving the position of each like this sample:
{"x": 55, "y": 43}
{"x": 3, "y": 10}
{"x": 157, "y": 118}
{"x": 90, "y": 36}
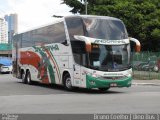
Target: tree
{"x": 141, "y": 17}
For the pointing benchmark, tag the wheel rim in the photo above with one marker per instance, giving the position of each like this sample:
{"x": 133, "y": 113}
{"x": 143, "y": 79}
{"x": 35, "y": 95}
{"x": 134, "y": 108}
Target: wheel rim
{"x": 28, "y": 78}
{"x": 23, "y": 77}
{"x": 68, "y": 83}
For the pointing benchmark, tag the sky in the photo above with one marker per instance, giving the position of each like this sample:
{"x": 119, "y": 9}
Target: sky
{"x": 33, "y": 13}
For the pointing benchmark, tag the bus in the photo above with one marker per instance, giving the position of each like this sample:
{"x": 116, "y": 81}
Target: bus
{"x": 75, "y": 51}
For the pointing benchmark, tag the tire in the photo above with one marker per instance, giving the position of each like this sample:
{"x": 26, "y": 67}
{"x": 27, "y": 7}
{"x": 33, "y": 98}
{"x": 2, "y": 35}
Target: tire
{"x": 24, "y": 78}
{"x": 28, "y": 78}
{"x": 67, "y": 82}
{"x": 103, "y": 89}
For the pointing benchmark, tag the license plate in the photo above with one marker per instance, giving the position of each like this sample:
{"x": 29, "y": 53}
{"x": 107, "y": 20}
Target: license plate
{"x": 113, "y": 84}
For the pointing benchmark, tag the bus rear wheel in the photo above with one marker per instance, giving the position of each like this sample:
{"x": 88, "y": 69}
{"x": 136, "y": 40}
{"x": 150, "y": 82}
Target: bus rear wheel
{"x": 67, "y": 82}
{"x": 24, "y": 78}
{"x": 28, "y": 78}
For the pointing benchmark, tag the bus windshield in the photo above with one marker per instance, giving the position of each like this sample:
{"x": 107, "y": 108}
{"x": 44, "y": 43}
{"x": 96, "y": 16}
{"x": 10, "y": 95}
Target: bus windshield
{"x": 102, "y": 57}
{"x": 93, "y": 27}
{"x": 109, "y": 57}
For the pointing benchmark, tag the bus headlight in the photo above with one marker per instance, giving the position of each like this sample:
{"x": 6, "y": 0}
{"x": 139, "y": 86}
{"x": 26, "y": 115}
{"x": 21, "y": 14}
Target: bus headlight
{"x": 96, "y": 76}
{"x": 93, "y": 75}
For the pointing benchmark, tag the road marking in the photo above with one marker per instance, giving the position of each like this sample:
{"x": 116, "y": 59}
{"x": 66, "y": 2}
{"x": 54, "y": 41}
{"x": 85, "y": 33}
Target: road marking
{"x": 153, "y": 84}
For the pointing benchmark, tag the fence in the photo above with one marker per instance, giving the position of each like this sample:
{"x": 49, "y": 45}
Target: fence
{"x": 146, "y": 65}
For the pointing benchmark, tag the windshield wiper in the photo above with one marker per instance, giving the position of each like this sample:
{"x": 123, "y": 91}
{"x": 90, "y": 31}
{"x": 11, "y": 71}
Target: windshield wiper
{"x": 94, "y": 67}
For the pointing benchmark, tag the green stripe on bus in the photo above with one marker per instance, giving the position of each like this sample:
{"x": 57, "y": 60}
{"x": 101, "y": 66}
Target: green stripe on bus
{"x": 92, "y": 82}
{"x": 59, "y": 74}
{"x": 49, "y": 66}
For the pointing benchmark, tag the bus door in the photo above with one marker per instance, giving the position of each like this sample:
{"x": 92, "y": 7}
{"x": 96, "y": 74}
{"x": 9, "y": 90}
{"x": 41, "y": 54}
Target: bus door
{"x": 77, "y": 75}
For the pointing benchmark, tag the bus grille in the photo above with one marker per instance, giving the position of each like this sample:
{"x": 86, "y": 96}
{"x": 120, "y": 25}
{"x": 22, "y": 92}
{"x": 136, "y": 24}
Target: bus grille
{"x": 114, "y": 78}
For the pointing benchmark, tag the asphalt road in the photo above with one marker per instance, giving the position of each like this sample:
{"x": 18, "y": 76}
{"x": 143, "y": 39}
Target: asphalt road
{"x": 16, "y": 97}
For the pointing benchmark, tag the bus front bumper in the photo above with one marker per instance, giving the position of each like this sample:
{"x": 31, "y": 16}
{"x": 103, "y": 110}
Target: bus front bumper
{"x": 93, "y": 82}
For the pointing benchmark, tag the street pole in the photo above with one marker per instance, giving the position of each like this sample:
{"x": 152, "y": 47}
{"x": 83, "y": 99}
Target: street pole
{"x": 86, "y": 6}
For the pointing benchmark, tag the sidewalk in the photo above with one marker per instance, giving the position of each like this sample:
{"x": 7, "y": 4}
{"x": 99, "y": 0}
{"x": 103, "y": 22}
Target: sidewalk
{"x": 146, "y": 82}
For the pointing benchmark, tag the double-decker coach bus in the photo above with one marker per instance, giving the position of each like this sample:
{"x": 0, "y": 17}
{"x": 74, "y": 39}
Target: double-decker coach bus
{"x": 76, "y": 51}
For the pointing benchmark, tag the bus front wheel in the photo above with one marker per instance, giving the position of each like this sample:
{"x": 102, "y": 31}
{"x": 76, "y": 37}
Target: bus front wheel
{"x": 67, "y": 82}
{"x": 104, "y": 89}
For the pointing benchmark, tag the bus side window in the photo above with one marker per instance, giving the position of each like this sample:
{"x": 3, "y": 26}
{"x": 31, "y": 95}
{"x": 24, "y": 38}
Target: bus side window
{"x": 58, "y": 33}
{"x": 50, "y": 34}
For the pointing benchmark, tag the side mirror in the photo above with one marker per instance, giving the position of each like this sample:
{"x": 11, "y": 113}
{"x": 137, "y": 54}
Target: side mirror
{"x": 88, "y": 47}
{"x": 87, "y": 42}
{"x": 138, "y": 45}
{"x": 65, "y": 43}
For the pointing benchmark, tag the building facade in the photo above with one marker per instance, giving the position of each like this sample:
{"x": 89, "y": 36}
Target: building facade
{"x": 3, "y": 31}
{"x": 12, "y": 21}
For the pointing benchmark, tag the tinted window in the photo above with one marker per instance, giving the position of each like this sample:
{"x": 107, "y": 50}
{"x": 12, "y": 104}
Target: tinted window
{"x": 26, "y": 38}
{"x": 46, "y": 35}
{"x": 105, "y": 29}
{"x": 75, "y": 27}
{"x": 93, "y": 27}
{"x": 49, "y": 34}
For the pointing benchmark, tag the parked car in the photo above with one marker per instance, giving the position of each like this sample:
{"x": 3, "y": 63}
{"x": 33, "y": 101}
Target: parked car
{"x": 140, "y": 66}
{"x": 150, "y": 66}
{"x": 136, "y": 64}
{"x": 147, "y": 66}
{"x": 6, "y": 69}
{"x": 157, "y": 67}
{"x": 5, "y": 65}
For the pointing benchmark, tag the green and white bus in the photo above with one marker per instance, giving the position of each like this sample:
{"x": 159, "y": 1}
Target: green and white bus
{"x": 76, "y": 51}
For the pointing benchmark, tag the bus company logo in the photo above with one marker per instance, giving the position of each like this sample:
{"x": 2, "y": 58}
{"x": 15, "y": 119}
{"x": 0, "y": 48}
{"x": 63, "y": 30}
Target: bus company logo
{"x": 44, "y": 48}
{"x": 109, "y": 41}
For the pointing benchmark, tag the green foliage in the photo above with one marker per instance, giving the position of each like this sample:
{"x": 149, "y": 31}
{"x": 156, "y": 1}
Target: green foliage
{"x": 77, "y": 6}
{"x": 156, "y": 34}
{"x": 141, "y": 17}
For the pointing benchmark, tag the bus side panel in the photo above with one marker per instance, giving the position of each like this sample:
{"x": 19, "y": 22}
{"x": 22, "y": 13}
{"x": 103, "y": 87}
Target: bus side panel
{"x": 61, "y": 58}
{"x": 29, "y": 60}
{"x": 46, "y": 63}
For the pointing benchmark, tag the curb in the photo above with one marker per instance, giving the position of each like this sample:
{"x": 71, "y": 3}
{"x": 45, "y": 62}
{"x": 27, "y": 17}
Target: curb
{"x": 149, "y": 84}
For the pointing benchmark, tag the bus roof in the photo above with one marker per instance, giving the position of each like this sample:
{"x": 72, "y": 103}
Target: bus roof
{"x": 94, "y": 16}
{"x": 70, "y": 16}
{"x": 51, "y": 23}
